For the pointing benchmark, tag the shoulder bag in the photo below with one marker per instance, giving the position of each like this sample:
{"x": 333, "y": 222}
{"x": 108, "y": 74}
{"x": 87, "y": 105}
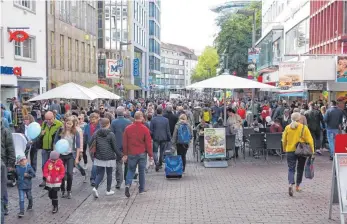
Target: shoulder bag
{"x": 302, "y": 148}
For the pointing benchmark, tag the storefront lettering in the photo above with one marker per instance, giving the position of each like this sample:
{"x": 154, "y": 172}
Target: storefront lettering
{"x": 17, "y": 71}
{"x": 18, "y": 36}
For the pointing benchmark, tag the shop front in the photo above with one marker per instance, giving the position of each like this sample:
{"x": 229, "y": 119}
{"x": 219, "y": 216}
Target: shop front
{"x": 316, "y": 91}
{"x": 9, "y": 85}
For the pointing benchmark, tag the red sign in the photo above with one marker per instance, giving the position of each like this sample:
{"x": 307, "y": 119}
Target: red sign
{"x": 341, "y": 143}
{"x": 18, "y": 35}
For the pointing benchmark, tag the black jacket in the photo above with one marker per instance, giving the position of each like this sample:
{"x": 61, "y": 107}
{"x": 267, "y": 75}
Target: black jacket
{"x": 8, "y": 154}
{"x": 314, "y": 120}
{"x": 106, "y": 148}
{"x": 172, "y": 121}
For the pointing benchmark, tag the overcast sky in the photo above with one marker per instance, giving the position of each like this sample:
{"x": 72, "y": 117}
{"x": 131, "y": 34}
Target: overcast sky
{"x": 190, "y": 23}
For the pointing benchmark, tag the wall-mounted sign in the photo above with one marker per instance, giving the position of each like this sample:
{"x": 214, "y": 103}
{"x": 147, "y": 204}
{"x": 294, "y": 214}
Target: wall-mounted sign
{"x": 18, "y": 36}
{"x": 112, "y": 69}
{"x": 341, "y": 75}
{"x": 290, "y": 75}
{"x": 17, "y": 71}
{"x": 316, "y": 85}
{"x": 253, "y": 55}
{"x": 136, "y": 67}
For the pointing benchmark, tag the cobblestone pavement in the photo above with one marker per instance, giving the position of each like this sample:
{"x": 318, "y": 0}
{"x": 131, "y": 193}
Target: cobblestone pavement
{"x": 250, "y": 191}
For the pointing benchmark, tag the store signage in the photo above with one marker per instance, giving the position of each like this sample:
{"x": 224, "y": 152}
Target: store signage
{"x": 17, "y": 71}
{"x": 316, "y": 85}
{"x": 18, "y": 36}
{"x": 136, "y": 67}
{"x": 290, "y": 75}
{"x": 112, "y": 69}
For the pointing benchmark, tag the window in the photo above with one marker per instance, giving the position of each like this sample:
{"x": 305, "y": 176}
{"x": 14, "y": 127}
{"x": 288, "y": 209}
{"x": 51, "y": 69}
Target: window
{"x": 180, "y": 62}
{"x": 88, "y": 58}
{"x": 25, "y": 49}
{"x": 62, "y": 56}
{"x": 93, "y": 60}
{"x": 297, "y": 39}
{"x": 53, "y": 61}
{"x": 52, "y": 7}
{"x": 180, "y": 72}
{"x": 77, "y": 56}
{"x": 83, "y": 57}
{"x": 69, "y": 60}
{"x": 1, "y": 42}
{"x": 27, "y": 4}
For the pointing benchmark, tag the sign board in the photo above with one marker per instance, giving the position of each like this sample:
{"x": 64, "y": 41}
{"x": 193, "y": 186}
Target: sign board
{"x": 136, "y": 65}
{"x": 18, "y": 36}
{"x": 112, "y": 69}
{"x": 17, "y": 71}
{"x": 316, "y": 85}
{"x": 214, "y": 143}
{"x": 340, "y": 169}
{"x": 290, "y": 75}
{"x": 341, "y": 67}
{"x": 253, "y": 55}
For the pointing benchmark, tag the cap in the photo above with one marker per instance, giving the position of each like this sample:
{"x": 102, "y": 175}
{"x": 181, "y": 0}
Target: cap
{"x": 20, "y": 158}
{"x": 54, "y": 155}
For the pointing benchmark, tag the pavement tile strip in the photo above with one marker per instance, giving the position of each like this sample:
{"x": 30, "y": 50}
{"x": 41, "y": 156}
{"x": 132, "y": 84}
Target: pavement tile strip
{"x": 250, "y": 191}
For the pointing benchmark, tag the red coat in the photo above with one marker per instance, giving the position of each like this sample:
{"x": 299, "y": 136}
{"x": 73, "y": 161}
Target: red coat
{"x": 54, "y": 172}
{"x": 265, "y": 112}
{"x": 242, "y": 113}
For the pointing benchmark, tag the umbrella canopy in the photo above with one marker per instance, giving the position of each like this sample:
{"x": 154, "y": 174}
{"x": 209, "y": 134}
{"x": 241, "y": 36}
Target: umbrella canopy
{"x": 229, "y": 82}
{"x": 70, "y": 91}
{"x": 103, "y": 91}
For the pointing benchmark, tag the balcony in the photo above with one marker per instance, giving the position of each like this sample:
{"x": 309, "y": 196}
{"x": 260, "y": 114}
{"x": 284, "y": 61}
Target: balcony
{"x": 271, "y": 49}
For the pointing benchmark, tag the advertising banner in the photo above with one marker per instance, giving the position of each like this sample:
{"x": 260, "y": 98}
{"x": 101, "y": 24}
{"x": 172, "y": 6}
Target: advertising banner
{"x": 253, "y": 55}
{"x": 113, "y": 69}
{"x": 215, "y": 143}
{"x": 290, "y": 75}
{"x": 341, "y": 75}
{"x": 136, "y": 64}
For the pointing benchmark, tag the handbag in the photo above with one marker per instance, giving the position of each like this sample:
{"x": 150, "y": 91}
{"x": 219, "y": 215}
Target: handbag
{"x": 302, "y": 148}
{"x": 309, "y": 169}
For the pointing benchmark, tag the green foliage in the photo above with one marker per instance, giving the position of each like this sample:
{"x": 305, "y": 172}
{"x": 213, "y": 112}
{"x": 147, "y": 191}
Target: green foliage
{"x": 207, "y": 65}
{"x": 235, "y": 37}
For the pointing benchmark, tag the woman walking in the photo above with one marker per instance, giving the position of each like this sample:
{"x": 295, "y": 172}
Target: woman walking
{"x": 69, "y": 133}
{"x": 105, "y": 155}
{"x": 293, "y": 134}
{"x": 77, "y": 156}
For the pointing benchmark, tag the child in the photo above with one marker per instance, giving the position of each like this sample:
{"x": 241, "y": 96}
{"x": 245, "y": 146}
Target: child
{"x": 24, "y": 174}
{"x": 54, "y": 172}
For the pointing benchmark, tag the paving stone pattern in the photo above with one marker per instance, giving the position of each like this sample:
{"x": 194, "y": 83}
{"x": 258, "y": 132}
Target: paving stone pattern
{"x": 250, "y": 191}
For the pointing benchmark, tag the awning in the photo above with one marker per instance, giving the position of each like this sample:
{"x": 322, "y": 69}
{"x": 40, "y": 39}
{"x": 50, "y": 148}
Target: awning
{"x": 131, "y": 87}
{"x": 293, "y": 94}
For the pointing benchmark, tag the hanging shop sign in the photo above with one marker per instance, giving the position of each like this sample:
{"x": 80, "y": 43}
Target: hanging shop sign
{"x": 17, "y": 71}
{"x": 112, "y": 69}
{"x": 136, "y": 64}
{"x": 18, "y": 36}
{"x": 316, "y": 86}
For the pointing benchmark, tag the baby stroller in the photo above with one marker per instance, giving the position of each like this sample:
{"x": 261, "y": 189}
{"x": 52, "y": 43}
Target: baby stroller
{"x": 20, "y": 145}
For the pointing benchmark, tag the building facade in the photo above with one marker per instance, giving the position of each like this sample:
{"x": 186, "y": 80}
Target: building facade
{"x": 177, "y": 65}
{"x": 154, "y": 40}
{"x": 72, "y": 42}
{"x": 328, "y": 26}
{"x": 23, "y": 63}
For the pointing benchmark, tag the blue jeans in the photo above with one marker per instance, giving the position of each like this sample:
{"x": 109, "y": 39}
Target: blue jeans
{"x": 45, "y": 156}
{"x": 295, "y": 163}
{"x": 162, "y": 146}
{"x": 22, "y": 194}
{"x": 93, "y": 172}
{"x": 100, "y": 175}
{"x": 134, "y": 161}
{"x": 331, "y": 134}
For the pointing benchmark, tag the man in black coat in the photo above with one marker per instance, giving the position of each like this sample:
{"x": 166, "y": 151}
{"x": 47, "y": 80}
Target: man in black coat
{"x": 172, "y": 118}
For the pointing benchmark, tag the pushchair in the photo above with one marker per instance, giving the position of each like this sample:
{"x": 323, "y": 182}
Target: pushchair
{"x": 20, "y": 146}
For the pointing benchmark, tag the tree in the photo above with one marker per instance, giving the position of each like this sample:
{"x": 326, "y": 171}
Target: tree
{"x": 235, "y": 37}
{"x": 207, "y": 65}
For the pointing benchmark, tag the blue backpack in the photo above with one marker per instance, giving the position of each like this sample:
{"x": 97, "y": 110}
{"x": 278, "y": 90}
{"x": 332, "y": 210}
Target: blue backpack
{"x": 184, "y": 134}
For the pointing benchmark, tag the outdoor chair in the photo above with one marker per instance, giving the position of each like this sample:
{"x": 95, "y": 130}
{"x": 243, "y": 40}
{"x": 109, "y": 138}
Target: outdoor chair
{"x": 246, "y": 135}
{"x": 274, "y": 142}
{"x": 230, "y": 146}
{"x": 257, "y": 143}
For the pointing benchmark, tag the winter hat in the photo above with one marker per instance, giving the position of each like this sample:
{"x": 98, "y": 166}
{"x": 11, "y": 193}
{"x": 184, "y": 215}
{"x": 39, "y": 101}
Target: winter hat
{"x": 54, "y": 155}
{"x": 20, "y": 158}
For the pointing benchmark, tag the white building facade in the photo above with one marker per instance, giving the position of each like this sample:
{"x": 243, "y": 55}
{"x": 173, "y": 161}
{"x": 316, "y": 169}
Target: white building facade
{"x": 23, "y": 64}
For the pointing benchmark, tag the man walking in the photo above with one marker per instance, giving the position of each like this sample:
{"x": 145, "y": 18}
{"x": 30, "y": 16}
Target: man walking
{"x": 137, "y": 143}
{"x": 171, "y": 117}
{"x": 160, "y": 132}
{"x": 118, "y": 127}
{"x": 314, "y": 120}
{"x": 333, "y": 118}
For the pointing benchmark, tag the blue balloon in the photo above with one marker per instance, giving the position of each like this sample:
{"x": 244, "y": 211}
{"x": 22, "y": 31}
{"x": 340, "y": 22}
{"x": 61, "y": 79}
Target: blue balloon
{"x": 62, "y": 146}
{"x": 34, "y": 130}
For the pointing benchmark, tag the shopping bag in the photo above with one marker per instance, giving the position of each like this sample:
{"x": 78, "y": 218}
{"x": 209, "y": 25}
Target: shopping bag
{"x": 309, "y": 169}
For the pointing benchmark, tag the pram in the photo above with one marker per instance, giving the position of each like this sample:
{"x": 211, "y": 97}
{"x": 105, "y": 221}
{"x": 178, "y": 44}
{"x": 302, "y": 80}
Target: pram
{"x": 20, "y": 146}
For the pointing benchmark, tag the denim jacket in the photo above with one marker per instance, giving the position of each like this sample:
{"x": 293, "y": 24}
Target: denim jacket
{"x": 24, "y": 183}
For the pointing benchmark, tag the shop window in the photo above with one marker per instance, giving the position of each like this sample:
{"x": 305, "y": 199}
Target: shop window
{"x": 26, "y": 4}
{"x": 26, "y": 49}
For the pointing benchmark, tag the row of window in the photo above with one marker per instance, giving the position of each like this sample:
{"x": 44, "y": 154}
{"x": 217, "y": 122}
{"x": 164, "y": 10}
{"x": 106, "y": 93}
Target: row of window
{"x": 139, "y": 35}
{"x": 116, "y": 35}
{"x": 140, "y": 14}
{"x": 27, "y": 4}
{"x": 80, "y": 14}
{"x": 119, "y": 11}
{"x": 172, "y": 71}
{"x": 154, "y": 29}
{"x": 154, "y": 46}
{"x": 165, "y": 60}
{"x": 170, "y": 52}
{"x": 169, "y": 81}
{"x": 83, "y": 54}
{"x": 154, "y": 63}
{"x": 154, "y": 11}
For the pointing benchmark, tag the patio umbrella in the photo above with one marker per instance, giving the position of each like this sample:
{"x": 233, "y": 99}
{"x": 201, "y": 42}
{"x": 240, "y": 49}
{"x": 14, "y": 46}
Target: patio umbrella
{"x": 226, "y": 81}
{"x": 103, "y": 91}
{"x": 70, "y": 91}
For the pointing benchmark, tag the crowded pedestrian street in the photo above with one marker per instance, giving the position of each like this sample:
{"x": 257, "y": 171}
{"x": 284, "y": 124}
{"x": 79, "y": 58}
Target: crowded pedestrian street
{"x": 248, "y": 191}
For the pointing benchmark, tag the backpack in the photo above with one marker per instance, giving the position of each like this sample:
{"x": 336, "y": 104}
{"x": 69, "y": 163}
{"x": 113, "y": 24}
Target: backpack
{"x": 183, "y": 134}
{"x": 206, "y": 116}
